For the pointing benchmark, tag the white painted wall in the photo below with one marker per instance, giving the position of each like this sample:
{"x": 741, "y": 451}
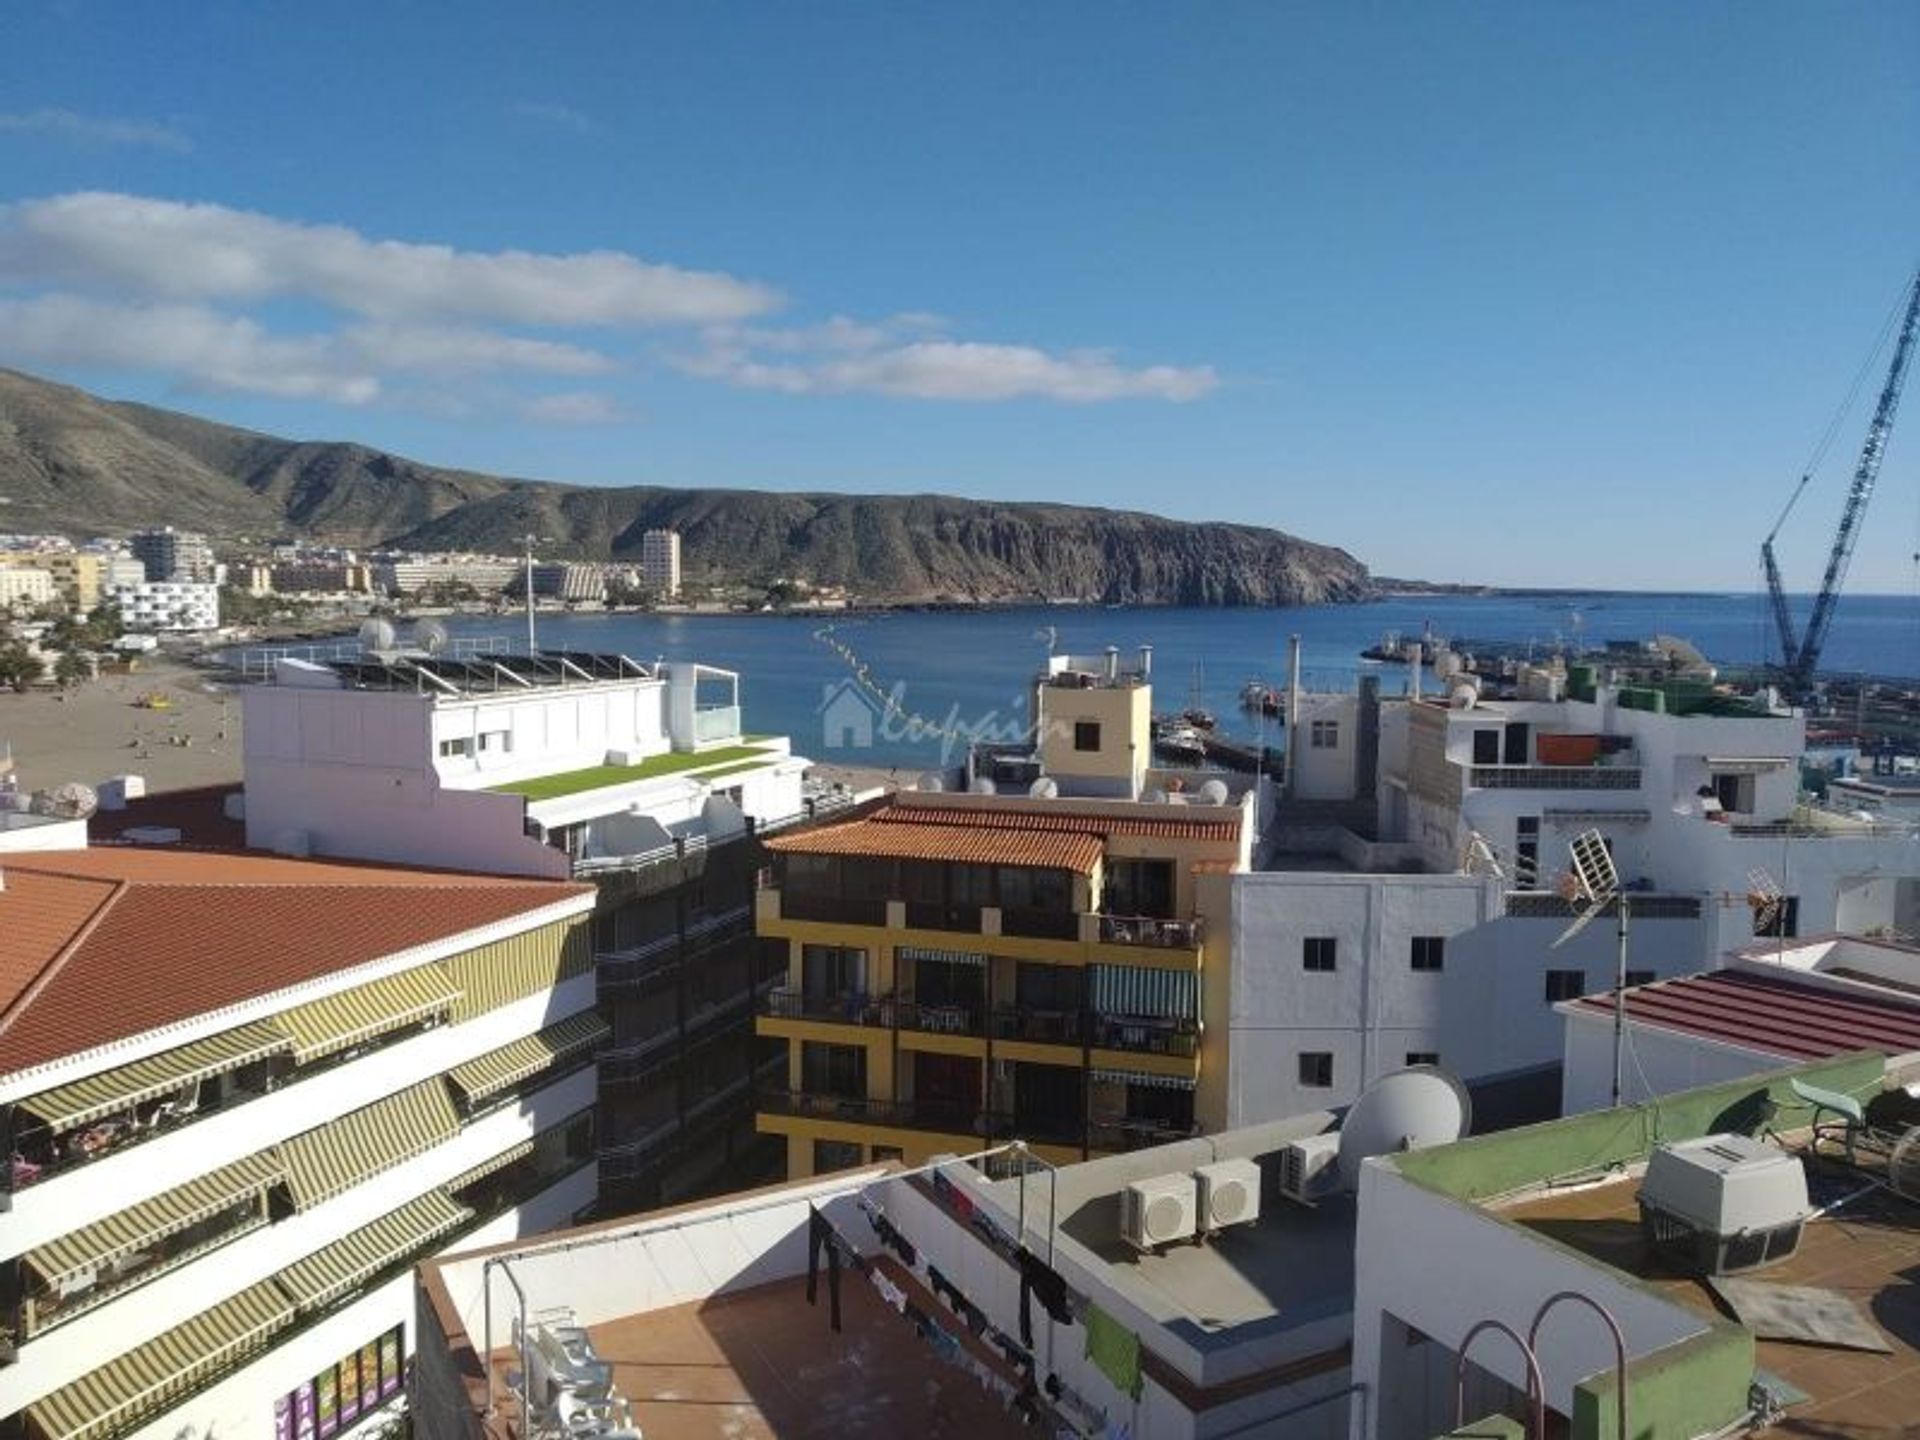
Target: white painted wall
{"x": 1654, "y": 1062}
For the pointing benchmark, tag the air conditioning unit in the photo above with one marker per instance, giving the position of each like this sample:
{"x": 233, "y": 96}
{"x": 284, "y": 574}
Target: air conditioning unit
{"x": 1229, "y": 1193}
{"x": 1157, "y": 1212}
{"x": 1723, "y": 1204}
{"x": 1310, "y": 1168}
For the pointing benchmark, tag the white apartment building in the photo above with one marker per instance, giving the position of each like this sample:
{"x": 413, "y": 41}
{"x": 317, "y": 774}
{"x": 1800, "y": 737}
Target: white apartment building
{"x": 1354, "y": 956}
{"x": 660, "y": 561}
{"x": 167, "y": 605}
{"x": 25, "y": 588}
{"x": 512, "y": 764}
{"x": 170, "y": 554}
{"x": 410, "y": 574}
{"x": 241, "y": 1096}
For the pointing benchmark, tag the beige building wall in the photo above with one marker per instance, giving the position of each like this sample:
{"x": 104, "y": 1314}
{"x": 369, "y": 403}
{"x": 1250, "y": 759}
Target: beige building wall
{"x": 1116, "y": 761}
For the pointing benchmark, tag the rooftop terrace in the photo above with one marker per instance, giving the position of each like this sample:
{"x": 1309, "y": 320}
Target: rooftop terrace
{"x": 702, "y": 765}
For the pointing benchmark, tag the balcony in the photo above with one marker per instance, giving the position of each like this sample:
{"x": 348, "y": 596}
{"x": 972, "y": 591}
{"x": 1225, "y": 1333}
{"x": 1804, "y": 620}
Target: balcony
{"x": 850, "y": 1008}
{"x": 892, "y": 1114}
{"x": 831, "y": 909}
{"x": 1151, "y": 930}
{"x": 1040, "y": 924}
{"x": 1554, "y": 777}
{"x": 1129, "y": 1134}
{"x": 659, "y": 959}
{"x": 960, "y": 919}
{"x": 1040, "y": 1027}
{"x": 1147, "y": 1037}
{"x": 937, "y": 1018}
{"x": 716, "y": 722}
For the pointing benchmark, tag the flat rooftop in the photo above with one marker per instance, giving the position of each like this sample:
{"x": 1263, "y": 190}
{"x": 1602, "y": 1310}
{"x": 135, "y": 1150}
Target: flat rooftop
{"x": 1867, "y": 1248}
{"x": 760, "y": 1364}
{"x": 701, "y": 764}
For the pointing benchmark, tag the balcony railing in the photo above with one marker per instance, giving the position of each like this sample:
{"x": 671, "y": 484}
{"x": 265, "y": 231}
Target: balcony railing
{"x": 1130, "y": 1134}
{"x": 1545, "y": 905}
{"x": 833, "y": 910}
{"x": 718, "y": 722}
{"x": 1044, "y": 1027}
{"x": 657, "y": 959}
{"x": 1151, "y": 930}
{"x": 784, "y": 1002}
{"x": 1040, "y": 924}
{"x": 1554, "y": 777}
{"x": 894, "y": 1114}
{"x": 961, "y": 919}
{"x": 938, "y": 1018}
{"x": 1147, "y": 1037}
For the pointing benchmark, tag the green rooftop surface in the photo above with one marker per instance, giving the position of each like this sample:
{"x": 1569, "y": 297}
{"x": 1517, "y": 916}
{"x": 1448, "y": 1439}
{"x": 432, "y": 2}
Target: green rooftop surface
{"x": 596, "y": 777}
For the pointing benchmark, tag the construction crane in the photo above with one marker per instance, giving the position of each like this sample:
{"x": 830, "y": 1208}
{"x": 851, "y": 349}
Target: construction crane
{"x": 1801, "y": 657}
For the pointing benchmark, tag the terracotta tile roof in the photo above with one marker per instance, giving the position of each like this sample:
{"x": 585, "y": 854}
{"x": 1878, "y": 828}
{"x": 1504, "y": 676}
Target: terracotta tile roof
{"x": 1775, "y": 1014}
{"x": 1178, "y": 824}
{"x": 103, "y": 944}
{"x": 967, "y": 845}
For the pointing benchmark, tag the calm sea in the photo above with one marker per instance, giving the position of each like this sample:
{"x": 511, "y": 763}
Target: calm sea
{"x": 967, "y": 674}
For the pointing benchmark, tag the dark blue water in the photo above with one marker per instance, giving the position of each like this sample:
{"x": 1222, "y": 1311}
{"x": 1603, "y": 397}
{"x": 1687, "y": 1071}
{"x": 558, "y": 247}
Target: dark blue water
{"x": 968, "y": 674}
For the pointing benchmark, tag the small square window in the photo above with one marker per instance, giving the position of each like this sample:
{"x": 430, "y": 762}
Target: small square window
{"x": 1429, "y": 952}
{"x": 1086, "y": 734}
{"x": 1324, "y": 734}
{"x": 460, "y": 746}
{"x": 1318, "y": 952}
{"x": 1423, "y": 1057}
{"x": 1566, "y": 984}
{"x": 496, "y": 741}
{"x": 1640, "y": 977}
{"x": 1316, "y": 1069}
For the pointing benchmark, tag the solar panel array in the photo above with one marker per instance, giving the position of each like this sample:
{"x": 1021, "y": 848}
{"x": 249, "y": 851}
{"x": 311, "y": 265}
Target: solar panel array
{"x": 489, "y": 674}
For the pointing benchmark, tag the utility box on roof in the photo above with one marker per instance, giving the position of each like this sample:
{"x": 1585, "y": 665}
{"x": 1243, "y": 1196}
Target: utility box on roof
{"x": 1723, "y": 1203}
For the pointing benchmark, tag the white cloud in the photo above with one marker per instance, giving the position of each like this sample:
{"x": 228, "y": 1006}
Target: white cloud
{"x": 580, "y": 407}
{"x": 547, "y": 112}
{"x": 166, "y": 250}
{"x": 96, "y": 129}
{"x": 845, "y": 357}
{"x": 461, "y": 350}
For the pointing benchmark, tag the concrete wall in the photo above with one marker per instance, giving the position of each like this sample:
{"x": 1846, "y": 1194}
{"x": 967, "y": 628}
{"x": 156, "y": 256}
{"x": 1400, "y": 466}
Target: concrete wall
{"x": 1656, "y": 1062}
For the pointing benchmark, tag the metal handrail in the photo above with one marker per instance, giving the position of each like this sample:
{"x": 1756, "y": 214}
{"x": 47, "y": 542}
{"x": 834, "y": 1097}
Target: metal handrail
{"x": 1536, "y": 1386}
{"x": 1619, "y": 1346}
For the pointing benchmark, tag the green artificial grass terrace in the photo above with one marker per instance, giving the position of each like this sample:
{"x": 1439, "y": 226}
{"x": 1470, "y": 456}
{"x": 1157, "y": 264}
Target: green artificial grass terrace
{"x": 594, "y": 777}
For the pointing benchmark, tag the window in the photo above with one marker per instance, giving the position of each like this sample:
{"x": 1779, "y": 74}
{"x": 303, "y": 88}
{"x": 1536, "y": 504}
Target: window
{"x": 1324, "y": 734}
{"x": 496, "y": 742}
{"x": 1566, "y": 984}
{"x": 1316, "y": 1069}
{"x": 1317, "y": 952}
{"x": 1429, "y": 952}
{"x": 837, "y": 1070}
{"x": 1086, "y": 734}
{"x": 1640, "y": 977}
{"x": 1526, "y": 849}
{"x": 458, "y": 747}
{"x": 1486, "y": 747}
{"x": 830, "y": 1155}
{"x": 883, "y": 1153}
{"x": 1423, "y": 1057}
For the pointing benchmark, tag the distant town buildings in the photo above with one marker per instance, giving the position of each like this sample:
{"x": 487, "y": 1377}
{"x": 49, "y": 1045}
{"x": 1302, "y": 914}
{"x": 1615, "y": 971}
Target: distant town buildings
{"x": 410, "y": 574}
{"x": 24, "y": 587}
{"x": 168, "y": 605}
{"x": 660, "y": 562}
{"x": 173, "y": 555}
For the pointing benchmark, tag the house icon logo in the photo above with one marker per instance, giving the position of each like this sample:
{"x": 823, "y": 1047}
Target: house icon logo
{"x": 846, "y": 716}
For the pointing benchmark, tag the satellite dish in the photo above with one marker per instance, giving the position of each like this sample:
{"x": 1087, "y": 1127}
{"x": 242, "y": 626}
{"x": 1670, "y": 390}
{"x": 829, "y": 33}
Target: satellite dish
{"x": 1214, "y": 792}
{"x": 982, "y": 785}
{"x": 1045, "y": 788}
{"x": 1410, "y": 1109}
{"x": 1462, "y": 697}
{"x": 1155, "y": 797}
{"x": 1446, "y": 665}
{"x": 430, "y": 637}
{"x": 375, "y": 634}
{"x": 931, "y": 782}
{"x": 71, "y": 801}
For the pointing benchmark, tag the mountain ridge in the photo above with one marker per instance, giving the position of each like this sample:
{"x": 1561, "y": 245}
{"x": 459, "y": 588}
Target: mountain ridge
{"x": 74, "y": 463}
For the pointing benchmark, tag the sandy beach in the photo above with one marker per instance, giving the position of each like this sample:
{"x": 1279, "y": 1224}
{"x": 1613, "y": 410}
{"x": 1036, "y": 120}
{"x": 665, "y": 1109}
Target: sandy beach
{"x": 99, "y": 730}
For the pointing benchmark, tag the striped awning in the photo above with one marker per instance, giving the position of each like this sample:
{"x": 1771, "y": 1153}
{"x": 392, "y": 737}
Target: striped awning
{"x": 487, "y": 1167}
{"x": 1138, "y": 990}
{"x": 513, "y": 1062}
{"x": 141, "y": 1225}
{"x": 921, "y": 956}
{"x": 325, "y": 1275}
{"x": 145, "y": 1380}
{"x": 112, "y": 1091}
{"x": 1141, "y": 1077}
{"x": 322, "y": 1027}
{"x": 1746, "y": 764}
{"x": 337, "y": 1156}
{"x": 521, "y": 965}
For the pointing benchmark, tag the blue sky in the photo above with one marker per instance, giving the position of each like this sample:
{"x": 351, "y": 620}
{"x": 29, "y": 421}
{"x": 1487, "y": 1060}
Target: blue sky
{"x": 1517, "y": 293}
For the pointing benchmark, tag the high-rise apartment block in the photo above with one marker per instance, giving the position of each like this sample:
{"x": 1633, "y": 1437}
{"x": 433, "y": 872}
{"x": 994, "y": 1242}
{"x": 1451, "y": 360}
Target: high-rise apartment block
{"x": 660, "y": 561}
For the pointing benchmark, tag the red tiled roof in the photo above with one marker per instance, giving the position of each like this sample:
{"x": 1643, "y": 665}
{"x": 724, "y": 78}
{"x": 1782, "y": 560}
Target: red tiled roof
{"x": 1177, "y": 825}
{"x": 975, "y": 844}
{"x": 1772, "y": 1013}
{"x": 99, "y": 945}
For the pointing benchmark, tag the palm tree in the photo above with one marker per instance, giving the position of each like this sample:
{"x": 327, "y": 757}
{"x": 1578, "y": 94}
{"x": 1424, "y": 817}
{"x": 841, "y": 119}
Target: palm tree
{"x": 72, "y": 668}
{"x": 19, "y": 666}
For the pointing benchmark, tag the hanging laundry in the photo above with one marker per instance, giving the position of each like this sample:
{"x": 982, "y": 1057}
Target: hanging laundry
{"x": 1114, "y": 1350}
{"x": 1041, "y": 1282}
{"x": 820, "y": 1235}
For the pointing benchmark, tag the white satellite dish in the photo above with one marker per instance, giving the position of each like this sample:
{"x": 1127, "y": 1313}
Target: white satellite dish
{"x": 1410, "y": 1109}
{"x": 1045, "y": 788}
{"x": 1214, "y": 792}
{"x": 982, "y": 786}
{"x": 375, "y": 634}
{"x": 1446, "y": 665}
{"x": 430, "y": 637}
{"x": 931, "y": 782}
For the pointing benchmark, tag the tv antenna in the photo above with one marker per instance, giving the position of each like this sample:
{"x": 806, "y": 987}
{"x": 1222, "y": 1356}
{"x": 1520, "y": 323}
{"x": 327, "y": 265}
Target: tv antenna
{"x": 1481, "y": 857}
{"x": 1590, "y": 885}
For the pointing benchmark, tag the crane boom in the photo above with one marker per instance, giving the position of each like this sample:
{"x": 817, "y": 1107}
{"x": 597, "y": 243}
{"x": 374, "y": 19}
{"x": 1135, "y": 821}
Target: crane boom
{"x": 1806, "y": 659}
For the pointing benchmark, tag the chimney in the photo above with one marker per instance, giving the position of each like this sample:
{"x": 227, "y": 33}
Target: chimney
{"x": 1113, "y": 663}
{"x": 1146, "y": 662}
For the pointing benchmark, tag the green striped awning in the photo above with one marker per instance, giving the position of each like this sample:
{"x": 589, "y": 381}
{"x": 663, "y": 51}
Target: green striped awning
{"x": 1141, "y": 1077}
{"x": 112, "y": 1091}
{"x": 521, "y": 965}
{"x": 321, "y": 1027}
{"x": 922, "y": 956}
{"x": 487, "y": 1167}
{"x": 326, "y": 1275}
{"x": 1138, "y": 990}
{"x": 140, "y": 1225}
{"x": 142, "y": 1382}
{"x": 513, "y": 1062}
{"x": 339, "y": 1155}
